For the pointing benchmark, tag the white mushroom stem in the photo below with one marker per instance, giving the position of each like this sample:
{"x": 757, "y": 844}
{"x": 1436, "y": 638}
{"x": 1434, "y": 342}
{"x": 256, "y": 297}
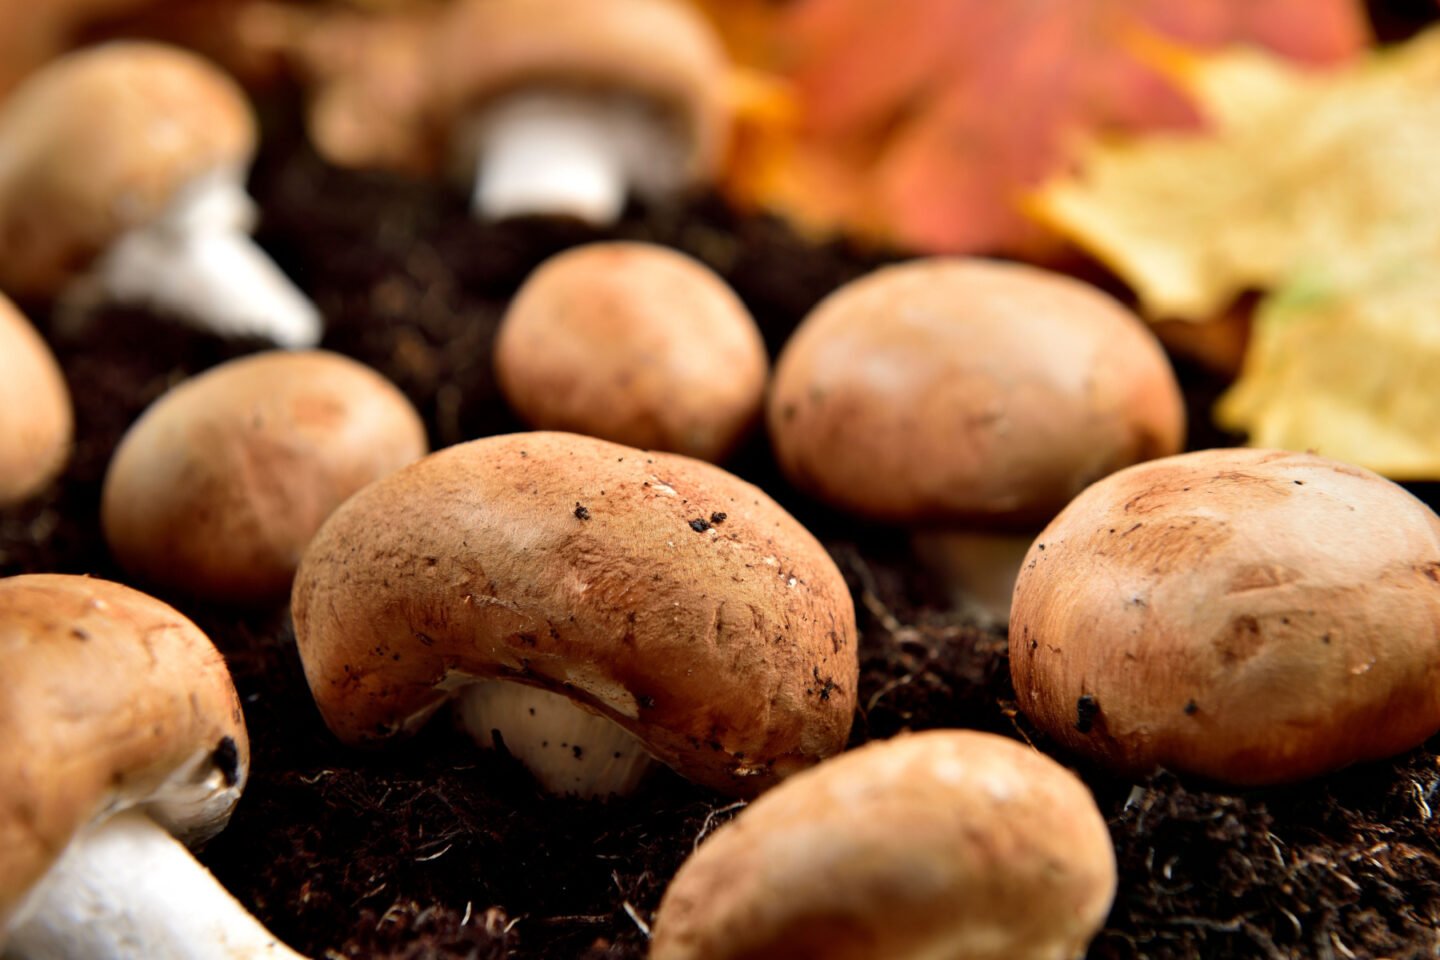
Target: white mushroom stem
{"x": 568, "y": 749}
{"x": 569, "y": 154}
{"x": 127, "y": 890}
{"x": 978, "y": 569}
{"x": 198, "y": 263}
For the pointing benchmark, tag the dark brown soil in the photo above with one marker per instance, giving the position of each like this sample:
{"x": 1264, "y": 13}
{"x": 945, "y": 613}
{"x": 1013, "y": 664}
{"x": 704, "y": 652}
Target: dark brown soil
{"x": 433, "y": 850}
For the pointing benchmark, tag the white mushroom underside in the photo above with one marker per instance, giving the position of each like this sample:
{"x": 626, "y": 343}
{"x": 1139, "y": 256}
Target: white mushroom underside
{"x": 558, "y": 153}
{"x": 127, "y": 890}
{"x": 977, "y": 569}
{"x": 567, "y": 748}
{"x": 198, "y": 263}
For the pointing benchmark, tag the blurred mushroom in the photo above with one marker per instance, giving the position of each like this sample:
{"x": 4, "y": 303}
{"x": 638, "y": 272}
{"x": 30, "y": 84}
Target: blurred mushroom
{"x": 588, "y": 605}
{"x": 121, "y": 728}
{"x": 633, "y": 343}
{"x": 36, "y": 423}
{"x": 122, "y": 178}
{"x": 563, "y": 106}
{"x": 933, "y": 845}
{"x": 218, "y": 487}
{"x": 970, "y": 399}
{"x": 1248, "y": 616}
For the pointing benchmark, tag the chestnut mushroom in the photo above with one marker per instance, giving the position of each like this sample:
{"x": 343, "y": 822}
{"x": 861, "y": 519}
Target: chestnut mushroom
{"x": 1249, "y": 617}
{"x": 36, "y": 421}
{"x": 592, "y": 603}
{"x": 563, "y": 106}
{"x": 633, "y": 343}
{"x": 122, "y": 178}
{"x": 123, "y": 741}
{"x": 220, "y": 484}
{"x": 934, "y": 845}
{"x": 970, "y": 400}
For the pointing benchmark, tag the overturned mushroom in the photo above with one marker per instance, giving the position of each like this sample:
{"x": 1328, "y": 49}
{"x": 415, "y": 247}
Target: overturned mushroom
{"x": 36, "y": 422}
{"x": 122, "y": 178}
{"x": 564, "y": 106}
{"x": 944, "y": 844}
{"x": 122, "y": 728}
{"x": 1247, "y": 616}
{"x": 218, "y": 487}
{"x": 633, "y": 343}
{"x": 657, "y": 601}
{"x": 969, "y": 398}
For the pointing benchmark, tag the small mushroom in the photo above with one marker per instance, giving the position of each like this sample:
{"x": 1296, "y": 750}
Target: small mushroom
{"x": 563, "y": 106}
{"x": 1246, "y": 616}
{"x": 123, "y": 741}
{"x": 36, "y": 422}
{"x": 592, "y": 603}
{"x": 933, "y": 845}
{"x": 970, "y": 398}
{"x": 220, "y": 484}
{"x": 122, "y": 178}
{"x": 633, "y": 343}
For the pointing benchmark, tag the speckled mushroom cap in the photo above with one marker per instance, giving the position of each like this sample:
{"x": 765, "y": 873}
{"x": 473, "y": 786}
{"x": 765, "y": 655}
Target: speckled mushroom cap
{"x": 100, "y": 141}
{"x": 1248, "y": 616}
{"x": 968, "y": 391}
{"x": 934, "y": 845}
{"x": 658, "y": 591}
{"x": 36, "y": 422}
{"x": 218, "y": 487}
{"x": 663, "y": 51}
{"x": 633, "y": 343}
{"x": 111, "y": 700}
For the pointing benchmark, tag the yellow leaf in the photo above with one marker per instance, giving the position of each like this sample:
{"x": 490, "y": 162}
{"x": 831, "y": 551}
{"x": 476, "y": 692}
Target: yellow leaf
{"x": 1322, "y": 191}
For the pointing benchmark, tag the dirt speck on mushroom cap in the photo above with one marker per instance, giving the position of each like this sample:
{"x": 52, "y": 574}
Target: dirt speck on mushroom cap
{"x": 731, "y": 654}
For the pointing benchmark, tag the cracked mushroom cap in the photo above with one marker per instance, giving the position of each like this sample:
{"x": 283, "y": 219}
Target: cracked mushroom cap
{"x": 658, "y": 591}
{"x": 111, "y": 701}
{"x": 662, "y": 51}
{"x": 935, "y": 845}
{"x": 101, "y": 141}
{"x": 1248, "y": 616}
{"x": 633, "y": 343}
{"x": 220, "y": 484}
{"x": 968, "y": 391}
{"x": 36, "y": 422}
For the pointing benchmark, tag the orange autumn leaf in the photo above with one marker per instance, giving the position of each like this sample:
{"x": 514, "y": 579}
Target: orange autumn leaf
{"x": 924, "y": 122}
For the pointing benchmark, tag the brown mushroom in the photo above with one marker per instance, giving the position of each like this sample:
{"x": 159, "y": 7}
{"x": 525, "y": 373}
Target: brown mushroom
{"x": 562, "y": 106}
{"x": 656, "y": 597}
{"x": 218, "y": 487}
{"x": 121, "y": 728}
{"x": 932, "y": 845}
{"x": 965, "y": 394}
{"x": 123, "y": 179}
{"x": 36, "y": 422}
{"x": 1246, "y": 616}
{"x": 633, "y": 343}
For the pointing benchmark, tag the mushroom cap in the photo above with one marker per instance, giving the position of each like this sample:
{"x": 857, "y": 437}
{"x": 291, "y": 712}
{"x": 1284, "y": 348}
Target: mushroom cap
{"x": 949, "y": 843}
{"x": 36, "y": 422}
{"x": 220, "y": 484}
{"x": 100, "y": 141}
{"x": 1247, "y": 616}
{"x": 663, "y": 51}
{"x": 661, "y": 592}
{"x": 970, "y": 392}
{"x": 633, "y": 343}
{"x": 111, "y": 700}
